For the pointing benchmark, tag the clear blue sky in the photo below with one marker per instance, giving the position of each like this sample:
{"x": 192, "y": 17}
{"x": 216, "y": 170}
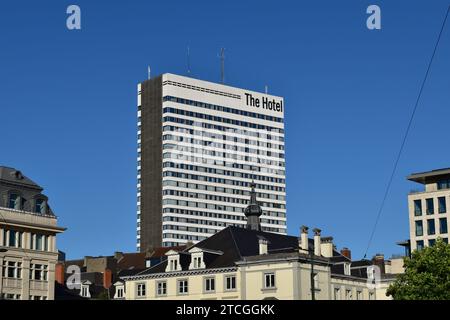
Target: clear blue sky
{"x": 68, "y": 103}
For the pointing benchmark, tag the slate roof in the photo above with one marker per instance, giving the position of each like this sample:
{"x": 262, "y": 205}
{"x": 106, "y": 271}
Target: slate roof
{"x": 236, "y": 244}
{"x": 13, "y": 176}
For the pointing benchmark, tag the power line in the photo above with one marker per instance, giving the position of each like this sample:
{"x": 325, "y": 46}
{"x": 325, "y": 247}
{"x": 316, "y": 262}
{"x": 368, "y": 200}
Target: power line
{"x": 388, "y": 187}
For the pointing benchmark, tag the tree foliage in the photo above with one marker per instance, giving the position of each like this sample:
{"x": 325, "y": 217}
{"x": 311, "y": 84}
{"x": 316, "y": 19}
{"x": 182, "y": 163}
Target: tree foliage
{"x": 427, "y": 275}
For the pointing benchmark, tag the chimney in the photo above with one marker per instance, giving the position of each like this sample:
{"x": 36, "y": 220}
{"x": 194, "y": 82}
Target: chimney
{"x": 317, "y": 249}
{"x": 118, "y": 255}
{"x": 378, "y": 260}
{"x": 346, "y": 253}
{"x": 303, "y": 238}
{"x": 326, "y": 247}
{"x": 59, "y": 273}
{"x": 263, "y": 244}
{"x": 107, "y": 278}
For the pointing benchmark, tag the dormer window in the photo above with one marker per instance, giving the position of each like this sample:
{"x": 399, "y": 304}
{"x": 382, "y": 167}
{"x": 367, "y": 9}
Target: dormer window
{"x": 14, "y": 201}
{"x": 347, "y": 270}
{"x": 197, "y": 262}
{"x": 173, "y": 264}
{"x": 173, "y": 261}
{"x": 41, "y": 206}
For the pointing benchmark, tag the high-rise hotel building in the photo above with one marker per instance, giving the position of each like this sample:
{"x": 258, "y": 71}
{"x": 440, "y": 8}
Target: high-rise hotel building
{"x": 200, "y": 146}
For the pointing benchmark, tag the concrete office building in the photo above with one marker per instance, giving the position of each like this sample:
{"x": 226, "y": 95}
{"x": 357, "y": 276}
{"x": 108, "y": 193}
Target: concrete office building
{"x": 200, "y": 145}
{"x": 428, "y": 208}
{"x": 28, "y": 229}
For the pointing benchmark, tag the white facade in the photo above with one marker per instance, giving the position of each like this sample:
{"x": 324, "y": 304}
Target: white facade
{"x": 216, "y": 139}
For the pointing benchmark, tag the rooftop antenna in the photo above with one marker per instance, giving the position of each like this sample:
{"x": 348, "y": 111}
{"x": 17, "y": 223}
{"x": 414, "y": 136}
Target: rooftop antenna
{"x": 188, "y": 61}
{"x": 148, "y": 70}
{"x": 222, "y": 65}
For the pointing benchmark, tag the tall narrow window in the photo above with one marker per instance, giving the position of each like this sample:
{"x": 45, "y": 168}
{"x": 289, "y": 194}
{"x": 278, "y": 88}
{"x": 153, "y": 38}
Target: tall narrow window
{"x": 417, "y": 207}
{"x": 14, "y": 201}
{"x": 269, "y": 280}
{"x": 161, "y": 288}
{"x": 12, "y": 241}
{"x": 431, "y": 227}
{"x": 442, "y": 205}
{"x": 40, "y": 206}
{"x": 141, "y": 290}
{"x": 430, "y": 206}
{"x": 182, "y": 286}
{"x": 443, "y": 228}
{"x": 419, "y": 228}
{"x": 210, "y": 285}
{"x": 230, "y": 283}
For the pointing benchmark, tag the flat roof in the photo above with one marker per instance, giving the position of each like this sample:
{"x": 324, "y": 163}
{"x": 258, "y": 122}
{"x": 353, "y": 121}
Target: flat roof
{"x": 429, "y": 176}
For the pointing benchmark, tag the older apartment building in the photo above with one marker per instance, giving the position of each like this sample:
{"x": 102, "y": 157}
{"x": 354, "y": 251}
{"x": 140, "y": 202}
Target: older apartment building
{"x": 28, "y": 229}
{"x": 429, "y": 208}
{"x": 247, "y": 263}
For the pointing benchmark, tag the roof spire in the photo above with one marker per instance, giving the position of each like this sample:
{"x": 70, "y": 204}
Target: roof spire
{"x": 253, "y": 210}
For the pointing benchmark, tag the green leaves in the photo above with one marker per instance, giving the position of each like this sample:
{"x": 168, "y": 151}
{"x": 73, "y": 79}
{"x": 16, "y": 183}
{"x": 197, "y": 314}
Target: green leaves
{"x": 427, "y": 275}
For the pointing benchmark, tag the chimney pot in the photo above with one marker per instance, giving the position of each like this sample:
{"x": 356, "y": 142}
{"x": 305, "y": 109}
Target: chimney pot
{"x": 263, "y": 246}
{"x": 317, "y": 247}
{"x": 107, "y": 278}
{"x": 59, "y": 273}
{"x": 346, "y": 252}
{"x": 304, "y": 238}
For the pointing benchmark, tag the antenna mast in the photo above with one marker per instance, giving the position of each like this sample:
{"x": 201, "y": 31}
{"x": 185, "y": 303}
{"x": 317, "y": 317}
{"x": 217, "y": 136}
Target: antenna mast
{"x": 188, "y": 61}
{"x": 222, "y": 65}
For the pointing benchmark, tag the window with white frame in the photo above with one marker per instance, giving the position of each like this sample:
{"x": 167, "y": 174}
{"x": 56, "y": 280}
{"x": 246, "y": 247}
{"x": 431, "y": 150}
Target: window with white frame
{"x": 120, "y": 293}
{"x": 141, "y": 290}
{"x": 173, "y": 263}
{"x": 38, "y": 272}
{"x": 85, "y": 291}
{"x": 230, "y": 282}
{"x": 39, "y": 242}
{"x": 347, "y": 270}
{"x": 210, "y": 284}
{"x": 12, "y": 269}
{"x": 13, "y": 238}
{"x": 197, "y": 262}
{"x": 182, "y": 286}
{"x": 161, "y": 288}
{"x": 269, "y": 280}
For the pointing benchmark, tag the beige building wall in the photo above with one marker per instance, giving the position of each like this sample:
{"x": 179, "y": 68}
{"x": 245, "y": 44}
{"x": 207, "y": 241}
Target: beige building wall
{"x": 196, "y": 287}
{"x": 292, "y": 282}
{"x": 24, "y": 285}
{"x": 431, "y": 192}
